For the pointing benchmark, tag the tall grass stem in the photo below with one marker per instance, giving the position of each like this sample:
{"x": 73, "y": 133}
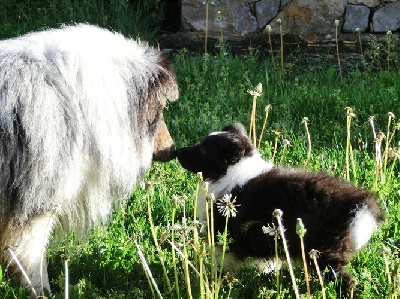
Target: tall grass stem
{"x": 14, "y": 257}
{"x": 314, "y": 254}
{"x": 278, "y": 215}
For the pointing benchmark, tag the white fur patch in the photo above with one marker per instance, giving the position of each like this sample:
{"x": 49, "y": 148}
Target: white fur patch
{"x": 237, "y": 175}
{"x": 362, "y": 227}
{"x": 216, "y": 133}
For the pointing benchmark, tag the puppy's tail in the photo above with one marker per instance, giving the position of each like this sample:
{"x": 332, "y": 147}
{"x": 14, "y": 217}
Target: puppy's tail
{"x": 366, "y": 221}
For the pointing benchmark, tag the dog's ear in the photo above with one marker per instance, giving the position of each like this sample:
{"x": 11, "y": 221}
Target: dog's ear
{"x": 236, "y": 128}
{"x": 231, "y": 149}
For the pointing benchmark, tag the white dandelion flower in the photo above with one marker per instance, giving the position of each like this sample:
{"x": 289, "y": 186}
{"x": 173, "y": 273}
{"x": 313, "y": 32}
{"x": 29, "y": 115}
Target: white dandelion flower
{"x": 226, "y": 206}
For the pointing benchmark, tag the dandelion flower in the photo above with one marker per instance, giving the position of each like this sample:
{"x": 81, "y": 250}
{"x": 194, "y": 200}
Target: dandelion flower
{"x": 226, "y": 206}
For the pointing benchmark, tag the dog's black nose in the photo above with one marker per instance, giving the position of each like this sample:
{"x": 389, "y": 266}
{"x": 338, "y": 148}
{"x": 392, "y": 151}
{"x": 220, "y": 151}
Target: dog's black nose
{"x": 165, "y": 155}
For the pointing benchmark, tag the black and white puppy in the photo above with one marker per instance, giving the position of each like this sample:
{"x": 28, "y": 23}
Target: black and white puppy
{"x": 339, "y": 217}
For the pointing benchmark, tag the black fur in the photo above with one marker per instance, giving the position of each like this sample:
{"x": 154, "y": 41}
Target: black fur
{"x": 326, "y": 204}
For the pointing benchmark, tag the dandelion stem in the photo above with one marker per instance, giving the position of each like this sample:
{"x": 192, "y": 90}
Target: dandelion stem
{"x": 388, "y": 140}
{"x": 206, "y": 29}
{"x": 337, "y": 49}
{"x": 305, "y": 121}
{"x": 173, "y": 255}
{"x": 66, "y": 285}
{"x": 14, "y": 257}
{"x": 268, "y": 29}
{"x": 225, "y": 237}
{"x": 158, "y": 247}
{"x": 278, "y": 215}
{"x": 313, "y": 254}
{"x": 267, "y": 108}
{"x": 361, "y": 49}
{"x": 301, "y": 231}
{"x": 147, "y": 271}
{"x": 279, "y": 21}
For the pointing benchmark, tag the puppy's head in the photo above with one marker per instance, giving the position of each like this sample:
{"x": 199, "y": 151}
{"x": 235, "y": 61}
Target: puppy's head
{"x": 217, "y": 152}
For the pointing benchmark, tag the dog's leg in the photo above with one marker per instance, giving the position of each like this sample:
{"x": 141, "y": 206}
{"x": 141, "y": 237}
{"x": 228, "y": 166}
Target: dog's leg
{"x": 27, "y": 244}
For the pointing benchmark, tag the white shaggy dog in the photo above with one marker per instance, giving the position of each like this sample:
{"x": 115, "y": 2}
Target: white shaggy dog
{"x": 80, "y": 122}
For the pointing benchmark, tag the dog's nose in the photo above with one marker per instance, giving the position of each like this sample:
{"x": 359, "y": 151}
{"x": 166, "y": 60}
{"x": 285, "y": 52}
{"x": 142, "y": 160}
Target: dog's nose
{"x": 165, "y": 155}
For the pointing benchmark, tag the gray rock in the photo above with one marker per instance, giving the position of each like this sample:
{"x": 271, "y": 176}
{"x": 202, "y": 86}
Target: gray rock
{"x": 356, "y": 16}
{"x": 309, "y": 18}
{"x": 236, "y": 16}
{"x": 266, "y": 10}
{"x": 368, "y": 3}
{"x": 387, "y": 17}
{"x": 285, "y": 2}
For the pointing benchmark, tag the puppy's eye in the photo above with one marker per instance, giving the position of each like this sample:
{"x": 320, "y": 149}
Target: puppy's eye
{"x": 202, "y": 150}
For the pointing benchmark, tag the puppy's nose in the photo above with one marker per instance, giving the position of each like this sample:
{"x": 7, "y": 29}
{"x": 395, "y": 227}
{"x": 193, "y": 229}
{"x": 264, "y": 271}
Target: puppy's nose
{"x": 165, "y": 155}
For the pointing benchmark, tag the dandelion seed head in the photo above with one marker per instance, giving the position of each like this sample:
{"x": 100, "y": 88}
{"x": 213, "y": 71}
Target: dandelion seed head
{"x": 314, "y": 254}
{"x": 277, "y": 213}
{"x": 351, "y": 115}
{"x": 227, "y": 206}
{"x": 149, "y": 187}
{"x": 286, "y": 142}
{"x": 211, "y": 197}
{"x": 176, "y": 227}
{"x": 269, "y": 230}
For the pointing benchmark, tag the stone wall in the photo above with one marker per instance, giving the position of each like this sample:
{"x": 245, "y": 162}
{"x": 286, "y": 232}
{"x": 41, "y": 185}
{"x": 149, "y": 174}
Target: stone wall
{"x": 311, "y": 19}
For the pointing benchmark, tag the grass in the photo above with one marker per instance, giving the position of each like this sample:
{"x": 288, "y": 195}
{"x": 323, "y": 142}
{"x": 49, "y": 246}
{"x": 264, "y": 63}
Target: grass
{"x": 131, "y": 17}
{"x": 307, "y": 123}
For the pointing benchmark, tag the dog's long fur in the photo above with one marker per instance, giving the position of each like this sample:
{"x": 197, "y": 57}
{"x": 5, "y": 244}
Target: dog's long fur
{"x": 339, "y": 217}
{"x": 80, "y": 121}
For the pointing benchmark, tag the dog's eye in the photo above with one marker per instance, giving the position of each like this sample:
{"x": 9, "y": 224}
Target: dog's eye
{"x": 202, "y": 150}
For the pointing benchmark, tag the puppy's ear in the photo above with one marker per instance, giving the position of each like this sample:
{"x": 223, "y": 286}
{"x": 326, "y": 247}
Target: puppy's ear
{"x": 231, "y": 149}
{"x": 236, "y": 128}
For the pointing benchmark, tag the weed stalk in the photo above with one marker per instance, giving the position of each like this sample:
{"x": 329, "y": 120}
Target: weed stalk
{"x": 378, "y": 154}
{"x": 14, "y": 257}
{"x": 275, "y": 150}
{"x": 337, "y": 49}
{"x": 174, "y": 261}
{"x": 268, "y": 29}
{"x": 306, "y": 121}
{"x": 279, "y": 21}
{"x": 349, "y": 150}
{"x": 267, "y": 109}
{"x": 361, "y": 49}
{"x": 389, "y": 44}
{"x": 301, "y": 231}
{"x": 278, "y": 215}
{"x": 65, "y": 258}
{"x": 256, "y": 92}
{"x": 286, "y": 144}
{"x": 147, "y": 271}
{"x": 314, "y": 255}
{"x": 206, "y": 29}
{"x": 150, "y": 191}
{"x": 387, "y": 144}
